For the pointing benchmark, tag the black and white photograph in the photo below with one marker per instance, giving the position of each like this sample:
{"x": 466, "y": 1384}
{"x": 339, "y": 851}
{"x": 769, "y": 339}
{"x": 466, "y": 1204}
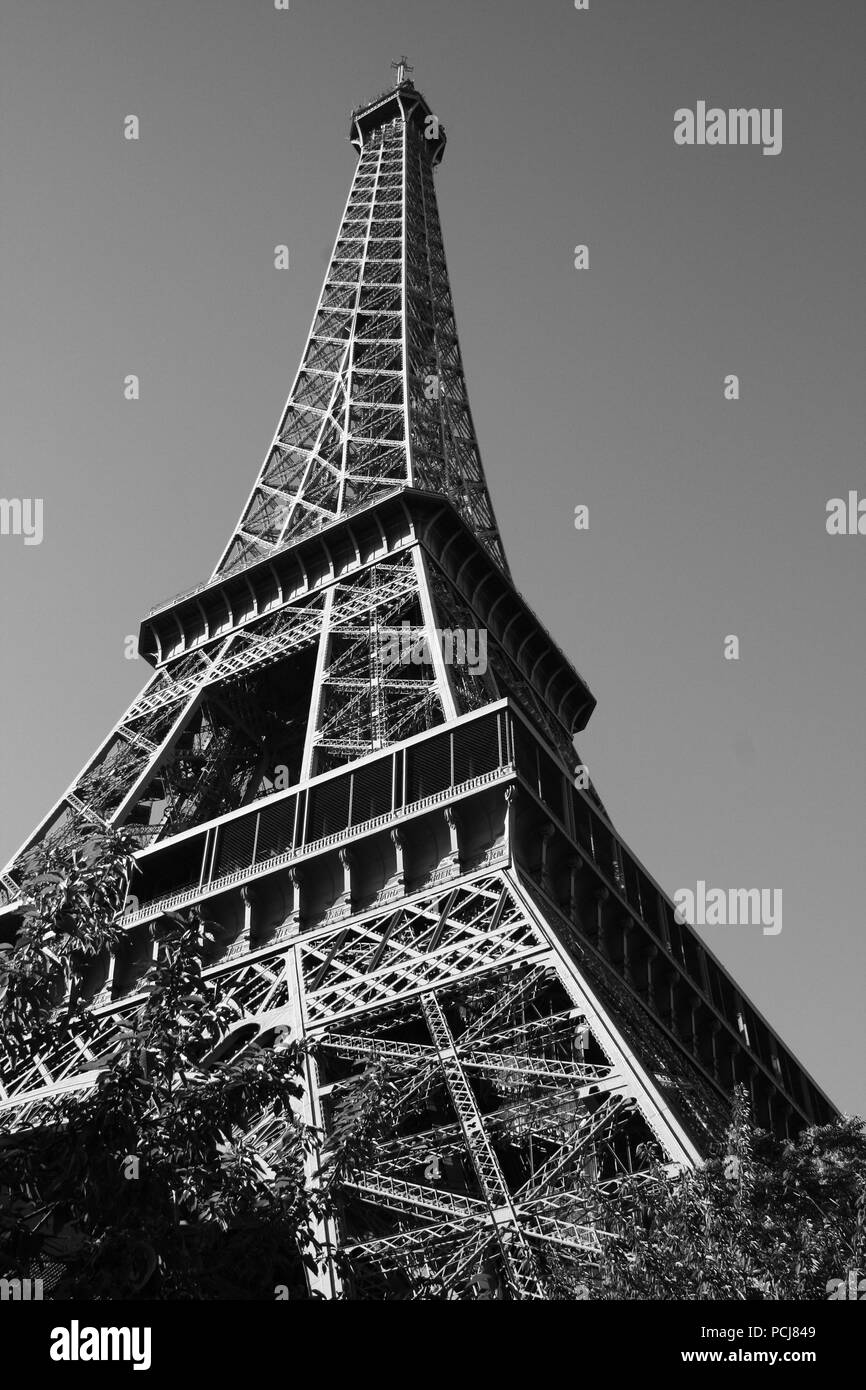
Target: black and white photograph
{"x": 432, "y": 574}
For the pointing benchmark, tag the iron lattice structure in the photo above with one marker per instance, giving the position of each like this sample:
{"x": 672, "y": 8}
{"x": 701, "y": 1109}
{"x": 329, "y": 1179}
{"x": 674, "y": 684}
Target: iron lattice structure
{"x": 402, "y": 864}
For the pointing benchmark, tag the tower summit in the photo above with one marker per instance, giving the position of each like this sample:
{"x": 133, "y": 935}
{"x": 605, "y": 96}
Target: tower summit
{"x": 402, "y": 66}
{"x": 356, "y": 754}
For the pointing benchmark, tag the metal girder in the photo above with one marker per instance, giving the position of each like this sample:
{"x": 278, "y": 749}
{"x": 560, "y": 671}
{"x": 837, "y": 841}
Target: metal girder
{"x": 585, "y": 1079}
{"x": 516, "y": 1256}
{"x": 414, "y": 1198}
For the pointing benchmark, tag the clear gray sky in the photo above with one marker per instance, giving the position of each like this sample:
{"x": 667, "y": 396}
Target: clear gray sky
{"x": 601, "y": 387}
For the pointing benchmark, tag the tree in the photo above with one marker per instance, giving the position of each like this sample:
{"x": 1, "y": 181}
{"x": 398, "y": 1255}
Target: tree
{"x": 72, "y": 901}
{"x": 762, "y": 1218}
{"x": 150, "y": 1183}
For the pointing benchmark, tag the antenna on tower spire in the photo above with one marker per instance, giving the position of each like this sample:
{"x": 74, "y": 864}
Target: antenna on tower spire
{"x": 402, "y": 66}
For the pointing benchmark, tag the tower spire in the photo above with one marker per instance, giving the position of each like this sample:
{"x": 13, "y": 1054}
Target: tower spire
{"x": 380, "y": 399}
{"x": 402, "y": 66}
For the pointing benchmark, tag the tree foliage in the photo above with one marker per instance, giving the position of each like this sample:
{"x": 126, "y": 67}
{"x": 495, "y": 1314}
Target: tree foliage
{"x": 763, "y": 1218}
{"x": 72, "y": 900}
{"x": 149, "y": 1183}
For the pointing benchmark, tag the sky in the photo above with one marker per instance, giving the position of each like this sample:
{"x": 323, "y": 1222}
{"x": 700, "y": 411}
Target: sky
{"x": 601, "y": 387}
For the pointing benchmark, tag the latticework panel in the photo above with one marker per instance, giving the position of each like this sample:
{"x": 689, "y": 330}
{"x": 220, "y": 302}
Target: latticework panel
{"x": 380, "y": 399}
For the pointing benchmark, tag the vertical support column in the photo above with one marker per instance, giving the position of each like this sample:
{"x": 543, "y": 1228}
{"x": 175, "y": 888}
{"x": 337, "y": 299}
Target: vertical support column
{"x": 346, "y": 858}
{"x": 103, "y": 996}
{"x": 398, "y": 839}
{"x": 296, "y": 879}
{"x": 628, "y": 944}
{"x": 651, "y": 958}
{"x": 694, "y": 1040}
{"x": 751, "y": 1078}
{"x": 243, "y": 942}
{"x": 544, "y": 868}
{"x": 715, "y": 1030}
{"x": 453, "y": 862}
{"x": 318, "y": 691}
{"x": 404, "y": 305}
{"x": 443, "y": 684}
{"x": 326, "y": 1281}
{"x": 673, "y": 984}
{"x": 511, "y": 794}
{"x": 602, "y": 895}
{"x": 575, "y": 868}
{"x": 154, "y": 955}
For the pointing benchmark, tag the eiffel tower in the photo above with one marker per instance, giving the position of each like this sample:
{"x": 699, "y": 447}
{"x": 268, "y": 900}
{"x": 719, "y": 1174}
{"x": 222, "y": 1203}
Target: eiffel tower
{"x": 356, "y": 752}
